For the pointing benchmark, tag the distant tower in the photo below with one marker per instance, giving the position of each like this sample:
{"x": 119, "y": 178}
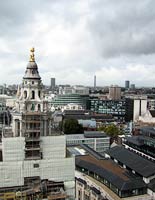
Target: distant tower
{"x": 95, "y": 82}
{"x": 132, "y": 86}
{"x": 52, "y": 83}
{"x": 127, "y": 84}
{"x": 114, "y": 92}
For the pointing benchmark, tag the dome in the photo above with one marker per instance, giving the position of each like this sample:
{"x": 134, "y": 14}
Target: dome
{"x": 32, "y": 65}
{"x": 32, "y": 68}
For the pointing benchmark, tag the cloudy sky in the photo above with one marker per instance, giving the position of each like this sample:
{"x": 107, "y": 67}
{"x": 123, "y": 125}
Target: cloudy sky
{"x": 77, "y": 39}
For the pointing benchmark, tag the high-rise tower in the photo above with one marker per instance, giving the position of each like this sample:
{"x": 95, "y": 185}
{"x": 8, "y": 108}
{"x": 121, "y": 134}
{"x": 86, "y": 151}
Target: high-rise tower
{"x": 127, "y": 84}
{"x": 52, "y": 83}
{"x": 95, "y": 82}
{"x": 114, "y": 92}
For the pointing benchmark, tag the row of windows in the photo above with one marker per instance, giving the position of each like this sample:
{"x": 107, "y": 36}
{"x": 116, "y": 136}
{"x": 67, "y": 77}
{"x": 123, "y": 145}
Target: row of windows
{"x": 32, "y": 94}
{"x": 124, "y": 193}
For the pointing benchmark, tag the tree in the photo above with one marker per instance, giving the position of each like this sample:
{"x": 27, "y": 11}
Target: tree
{"x": 102, "y": 128}
{"x": 71, "y": 126}
{"x": 112, "y": 130}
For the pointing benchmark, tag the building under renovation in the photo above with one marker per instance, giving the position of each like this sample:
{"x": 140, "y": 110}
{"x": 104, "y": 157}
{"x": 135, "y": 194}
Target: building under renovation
{"x": 33, "y": 161}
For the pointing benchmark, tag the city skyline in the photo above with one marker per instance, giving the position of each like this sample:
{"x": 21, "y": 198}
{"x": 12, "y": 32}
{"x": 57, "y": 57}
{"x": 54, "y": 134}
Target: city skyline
{"x": 75, "y": 40}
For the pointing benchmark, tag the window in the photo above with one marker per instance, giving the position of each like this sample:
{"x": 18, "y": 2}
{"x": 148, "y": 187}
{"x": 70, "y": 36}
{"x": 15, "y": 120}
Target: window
{"x": 39, "y": 93}
{"x": 33, "y": 94}
{"x": 36, "y": 165}
{"x": 32, "y": 107}
{"x": 25, "y": 94}
{"x": 38, "y": 107}
{"x": 32, "y": 82}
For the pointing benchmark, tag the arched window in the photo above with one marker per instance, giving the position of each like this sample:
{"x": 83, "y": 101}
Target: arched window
{"x": 39, "y": 93}
{"x": 33, "y": 94}
{"x": 38, "y": 107}
{"x": 32, "y": 107}
{"x": 25, "y": 94}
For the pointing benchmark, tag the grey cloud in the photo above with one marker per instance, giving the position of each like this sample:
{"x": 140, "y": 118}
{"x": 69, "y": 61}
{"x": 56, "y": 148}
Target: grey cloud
{"x": 15, "y": 15}
{"x": 115, "y": 34}
{"x": 123, "y": 27}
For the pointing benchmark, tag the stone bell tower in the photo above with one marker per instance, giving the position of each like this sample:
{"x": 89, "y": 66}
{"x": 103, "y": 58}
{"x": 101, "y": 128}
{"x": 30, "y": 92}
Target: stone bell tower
{"x": 31, "y": 93}
{"x": 31, "y": 118}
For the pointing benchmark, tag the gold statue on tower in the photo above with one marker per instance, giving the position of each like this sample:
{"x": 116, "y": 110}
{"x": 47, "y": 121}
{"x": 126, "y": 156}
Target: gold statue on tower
{"x": 32, "y": 58}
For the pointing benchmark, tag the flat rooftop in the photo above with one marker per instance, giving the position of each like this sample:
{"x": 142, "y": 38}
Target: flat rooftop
{"x": 87, "y": 134}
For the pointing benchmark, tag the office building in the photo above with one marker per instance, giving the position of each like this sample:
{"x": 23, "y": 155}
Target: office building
{"x": 132, "y": 86}
{"x": 114, "y": 92}
{"x": 116, "y": 108}
{"x": 52, "y": 83}
{"x": 127, "y": 84}
{"x": 62, "y": 100}
{"x": 95, "y": 82}
{"x": 136, "y": 106}
{"x": 143, "y": 143}
{"x": 96, "y": 140}
{"x": 81, "y": 90}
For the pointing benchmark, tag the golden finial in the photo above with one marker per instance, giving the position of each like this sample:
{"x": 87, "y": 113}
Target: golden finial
{"x": 32, "y": 58}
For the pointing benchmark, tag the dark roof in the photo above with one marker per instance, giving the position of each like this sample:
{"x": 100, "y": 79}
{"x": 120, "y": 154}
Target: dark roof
{"x": 137, "y": 140}
{"x": 94, "y": 134}
{"x": 77, "y": 117}
{"x": 135, "y": 162}
{"x": 107, "y": 169}
{"x": 148, "y": 129}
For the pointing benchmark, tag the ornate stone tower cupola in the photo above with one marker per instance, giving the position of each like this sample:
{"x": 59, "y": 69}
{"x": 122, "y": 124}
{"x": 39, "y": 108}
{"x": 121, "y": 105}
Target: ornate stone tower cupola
{"x": 32, "y": 68}
{"x": 31, "y": 94}
{"x": 31, "y": 118}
